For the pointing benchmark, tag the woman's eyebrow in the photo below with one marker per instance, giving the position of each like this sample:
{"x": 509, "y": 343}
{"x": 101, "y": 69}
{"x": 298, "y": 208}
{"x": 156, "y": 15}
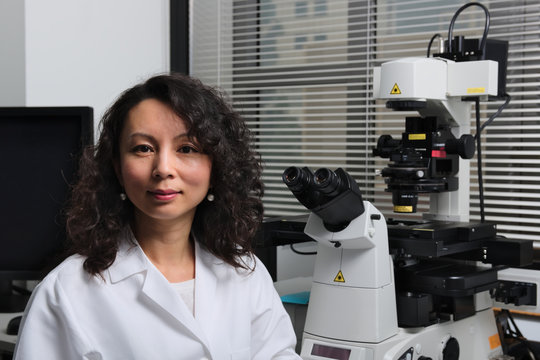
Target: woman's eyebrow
{"x": 141, "y": 134}
{"x": 182, "y": 135}
{"x": 148, "y": 136}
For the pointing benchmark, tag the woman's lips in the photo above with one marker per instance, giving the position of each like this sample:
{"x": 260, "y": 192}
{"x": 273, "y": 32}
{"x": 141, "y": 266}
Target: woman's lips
{"x": 164, "y": 195}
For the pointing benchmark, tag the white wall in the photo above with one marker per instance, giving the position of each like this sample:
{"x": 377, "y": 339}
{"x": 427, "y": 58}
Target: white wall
{"x": 84, "y": 53}
{"x": 12, "y": 76}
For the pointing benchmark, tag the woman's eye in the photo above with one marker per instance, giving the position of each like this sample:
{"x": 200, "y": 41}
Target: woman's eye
{"x": 142, "y": 149}
{"x": 187, "y": 149}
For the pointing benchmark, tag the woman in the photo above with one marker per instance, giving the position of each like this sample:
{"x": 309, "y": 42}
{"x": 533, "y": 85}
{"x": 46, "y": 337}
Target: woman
{"x": 161, "y": 223}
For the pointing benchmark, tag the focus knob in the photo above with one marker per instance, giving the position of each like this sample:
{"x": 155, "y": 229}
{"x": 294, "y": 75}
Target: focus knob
{"x": 451, "y": 349}
{"x": 464, "y": 146}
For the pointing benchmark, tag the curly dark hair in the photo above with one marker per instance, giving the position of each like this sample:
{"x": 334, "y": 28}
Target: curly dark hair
{"x": 96, "y": 214}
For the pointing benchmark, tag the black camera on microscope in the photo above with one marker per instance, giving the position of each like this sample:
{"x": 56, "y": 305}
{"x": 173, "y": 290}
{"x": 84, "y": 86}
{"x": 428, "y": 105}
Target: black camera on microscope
{"x": 425, "y": 160}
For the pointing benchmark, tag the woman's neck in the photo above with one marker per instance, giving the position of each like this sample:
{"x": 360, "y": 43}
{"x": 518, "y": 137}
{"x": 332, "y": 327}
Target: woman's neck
{"x": 168, "y": 246}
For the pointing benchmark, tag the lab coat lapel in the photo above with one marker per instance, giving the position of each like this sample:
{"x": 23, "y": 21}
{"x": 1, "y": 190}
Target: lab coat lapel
{"x": 157, "y": 288}
{"x": 131, "y": 260}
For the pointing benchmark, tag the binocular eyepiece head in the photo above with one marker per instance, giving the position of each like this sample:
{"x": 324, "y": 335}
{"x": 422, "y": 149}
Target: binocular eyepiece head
{"x": 334, "y": 196}
{"x": 324, "y": 180}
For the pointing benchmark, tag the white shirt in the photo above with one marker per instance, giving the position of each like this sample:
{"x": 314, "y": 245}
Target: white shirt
{"x": 186, "y": 290}
{"x": 134, "y": 313}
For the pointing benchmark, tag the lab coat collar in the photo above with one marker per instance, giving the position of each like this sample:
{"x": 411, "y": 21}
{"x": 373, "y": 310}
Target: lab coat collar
{"x": 130, "y": 258}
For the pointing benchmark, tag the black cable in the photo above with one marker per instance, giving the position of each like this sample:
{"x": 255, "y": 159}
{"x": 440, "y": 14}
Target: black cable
{"x": 479, "y": 160}
{"x": 511, "y": 318}
{"x": 478, "y": 139}
{"x": 302, "y": 252}
{"x": 431, "y": 42}
{"x": 486, "y": 26}
{"x": 497, "y": 113}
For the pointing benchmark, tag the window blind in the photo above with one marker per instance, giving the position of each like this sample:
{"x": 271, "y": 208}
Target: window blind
{"x": 301, "y": 74}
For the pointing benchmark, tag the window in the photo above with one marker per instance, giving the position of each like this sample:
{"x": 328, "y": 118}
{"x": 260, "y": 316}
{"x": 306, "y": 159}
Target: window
{"x": 301, "y": 73}
{"x": 301, "y": 8}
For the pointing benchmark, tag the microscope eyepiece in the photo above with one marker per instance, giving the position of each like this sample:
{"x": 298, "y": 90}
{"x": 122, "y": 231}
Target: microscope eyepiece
{"x": 300, "y": 182}
{"x": 297, "y": 179}
{"x": 323, "y": 176}
{"x": 328, "y": 182}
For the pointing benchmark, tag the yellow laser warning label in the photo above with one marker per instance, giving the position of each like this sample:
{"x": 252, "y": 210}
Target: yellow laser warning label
{"x": 417, "y": 136}
{"x": 494, "y": 341}
{"x": 339, "y": 277}
{"x": 395, "y": 90}
{"x": 403, "y": 209}
{"x": 476, "y": 90}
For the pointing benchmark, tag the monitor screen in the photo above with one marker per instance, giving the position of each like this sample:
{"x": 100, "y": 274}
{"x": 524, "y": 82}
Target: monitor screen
{"x": 40, "y": 150}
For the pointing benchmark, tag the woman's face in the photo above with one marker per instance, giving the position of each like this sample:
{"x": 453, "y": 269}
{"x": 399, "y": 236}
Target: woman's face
{"x": 164, "y": 174}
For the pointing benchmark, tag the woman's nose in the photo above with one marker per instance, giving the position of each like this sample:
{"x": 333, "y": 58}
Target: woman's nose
{"x": 163, "y": 166}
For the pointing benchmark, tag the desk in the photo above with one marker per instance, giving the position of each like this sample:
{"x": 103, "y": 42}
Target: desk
{"x": 7, "y": 342}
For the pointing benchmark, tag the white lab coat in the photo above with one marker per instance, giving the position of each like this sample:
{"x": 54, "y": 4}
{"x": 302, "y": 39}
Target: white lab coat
{"x": 134, "y": 313}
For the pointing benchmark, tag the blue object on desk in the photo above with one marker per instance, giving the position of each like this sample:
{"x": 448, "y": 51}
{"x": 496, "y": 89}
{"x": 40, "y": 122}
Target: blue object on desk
{"x": 301, "y": 298}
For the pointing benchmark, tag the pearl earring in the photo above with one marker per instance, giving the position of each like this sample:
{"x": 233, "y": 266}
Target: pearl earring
{"x": 210, "y": 197}
{"x": 123, "y": 196}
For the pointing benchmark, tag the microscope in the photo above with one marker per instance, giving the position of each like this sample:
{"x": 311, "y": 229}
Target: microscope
{"x": 401, "y": 289}
{"x": 370, "y": 302}
{"x": 352, "y": 296}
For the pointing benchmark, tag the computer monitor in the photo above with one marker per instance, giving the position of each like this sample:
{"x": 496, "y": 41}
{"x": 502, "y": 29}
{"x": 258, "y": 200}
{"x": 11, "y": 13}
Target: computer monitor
{"x": 40, "y": 148}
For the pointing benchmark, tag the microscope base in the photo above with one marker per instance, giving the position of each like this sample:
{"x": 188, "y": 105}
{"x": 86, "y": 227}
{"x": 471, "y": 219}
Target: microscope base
{"x": 476, "y": 336}
{"x": 346, "y": 312}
